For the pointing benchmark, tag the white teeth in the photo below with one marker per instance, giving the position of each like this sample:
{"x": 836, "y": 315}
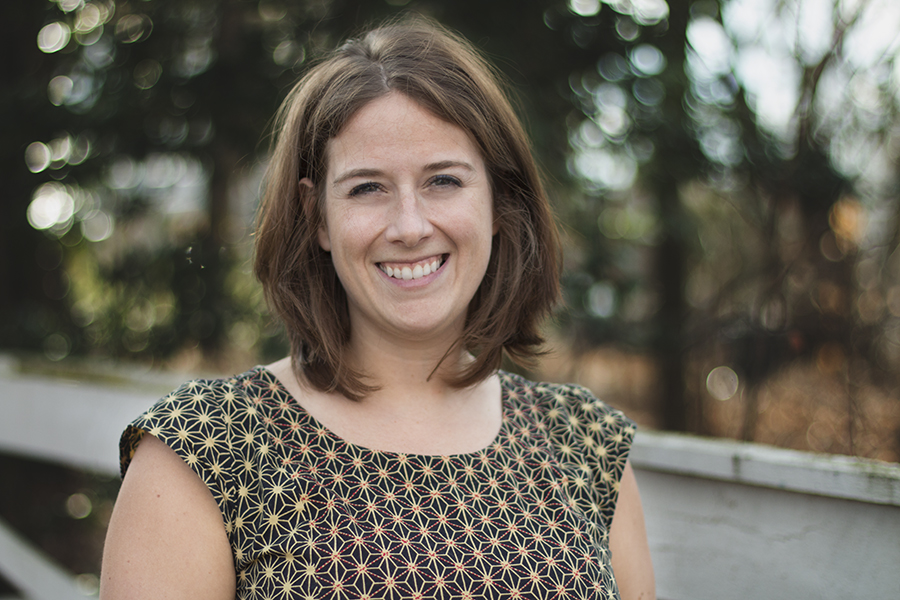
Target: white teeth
{"x": 407, "y": 273}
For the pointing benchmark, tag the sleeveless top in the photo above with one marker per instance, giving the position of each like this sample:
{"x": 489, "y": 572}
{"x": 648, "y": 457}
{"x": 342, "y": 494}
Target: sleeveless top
{"x": 310, "y": 515}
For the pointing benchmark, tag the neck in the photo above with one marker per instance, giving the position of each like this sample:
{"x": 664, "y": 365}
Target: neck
{"x": 414, "y": 410}
{"x": 408, "y": 372}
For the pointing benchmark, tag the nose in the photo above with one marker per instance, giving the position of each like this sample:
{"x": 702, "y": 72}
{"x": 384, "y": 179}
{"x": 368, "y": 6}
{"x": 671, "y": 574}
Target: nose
{"x": 409, "y": 224}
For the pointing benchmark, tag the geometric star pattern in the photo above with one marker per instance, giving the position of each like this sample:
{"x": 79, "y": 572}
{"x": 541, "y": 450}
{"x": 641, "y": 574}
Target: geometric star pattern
{"x": 310, "y": 515}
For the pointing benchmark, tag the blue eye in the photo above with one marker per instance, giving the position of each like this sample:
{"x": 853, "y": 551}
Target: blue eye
{"x": 445, "y": 180}
{"x": 365, "y": 188}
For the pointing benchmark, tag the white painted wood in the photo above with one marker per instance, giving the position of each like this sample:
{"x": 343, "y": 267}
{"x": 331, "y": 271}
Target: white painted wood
{"x": 31, "y": 572}
{"x": 755, "y": 464}
{"x": 716, "y": 540}
{"x": 728, "y": 519}
{"x": 74, "y": 423}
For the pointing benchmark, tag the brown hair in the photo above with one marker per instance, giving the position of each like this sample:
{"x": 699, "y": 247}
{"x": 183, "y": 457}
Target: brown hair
{"x": 445, "y": 74}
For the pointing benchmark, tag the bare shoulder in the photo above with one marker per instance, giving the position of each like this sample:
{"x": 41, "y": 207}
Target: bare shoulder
{"x": 631, "y": 561}
{"x": 166, "y": 537}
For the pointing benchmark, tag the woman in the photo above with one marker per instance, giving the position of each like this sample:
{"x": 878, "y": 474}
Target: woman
{"x": 406, "y": 242}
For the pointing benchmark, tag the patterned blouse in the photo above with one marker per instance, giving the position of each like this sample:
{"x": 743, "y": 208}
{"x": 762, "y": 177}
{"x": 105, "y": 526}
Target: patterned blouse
{"x": 310, "y": 515}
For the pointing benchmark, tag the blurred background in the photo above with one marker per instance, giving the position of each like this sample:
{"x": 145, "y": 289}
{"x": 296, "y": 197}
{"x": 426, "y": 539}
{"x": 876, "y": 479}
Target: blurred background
{"x": 725, "y": 173}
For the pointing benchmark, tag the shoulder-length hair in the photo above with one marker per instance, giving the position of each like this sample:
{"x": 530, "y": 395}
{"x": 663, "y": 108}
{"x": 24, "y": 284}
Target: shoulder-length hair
{"x": 445, "y": 74}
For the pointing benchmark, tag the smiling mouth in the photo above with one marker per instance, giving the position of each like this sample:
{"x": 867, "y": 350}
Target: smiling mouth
{"x": 416, "y": 270}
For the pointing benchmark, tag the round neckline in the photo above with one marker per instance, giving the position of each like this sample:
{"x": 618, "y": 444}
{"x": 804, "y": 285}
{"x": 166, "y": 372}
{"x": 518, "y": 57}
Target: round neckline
{"x": 506, "y": 413}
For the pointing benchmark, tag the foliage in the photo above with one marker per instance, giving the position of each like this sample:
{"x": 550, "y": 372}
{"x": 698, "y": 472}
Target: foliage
{"x": 720, "y": 159}
{"x": 142, "y": 130}
{"x": 724, "y": 172}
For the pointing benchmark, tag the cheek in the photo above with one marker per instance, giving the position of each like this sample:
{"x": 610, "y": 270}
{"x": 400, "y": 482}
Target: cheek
{"x": 481, "y": 238}
{"x": 348, "y": 238}
{"x": 340, "y": 228}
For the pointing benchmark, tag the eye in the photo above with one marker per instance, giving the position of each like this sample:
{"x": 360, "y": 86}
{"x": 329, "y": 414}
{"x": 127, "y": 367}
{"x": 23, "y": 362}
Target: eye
{"x": 365, "y": 188}
{"x": 445, "y": 181}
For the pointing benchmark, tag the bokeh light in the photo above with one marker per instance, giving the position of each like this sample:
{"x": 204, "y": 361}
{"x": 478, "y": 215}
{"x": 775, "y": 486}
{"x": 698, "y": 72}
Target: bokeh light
{"x": 90, "y": 17}
{"x": 58, "y": 89}
{"x": 60, "y": 151}
{"x": 52, "y": 204}
{"x": 99, "y": 54}
{"x": 147, "y": 73}
{"x": 37, "y": 157}
{"x": 627, "y": 29}
{"x": 712, "y": 48}
{"x": 601, "y": 300}
{"x": 97, "y": 226}
{"x": 89, "y": 38}
{"x": 644, "y": 12}
{"x": 88, "y": 584}
{"x": 722, "y": 383}
{"x": 78, "y": 506}
{"x": 68, "y": 6}
{"x": 124, "y": 173}
{"x": 649, "y": 92}
{"x": 647, "y": 60}
{"x": 584, "y": 8}
{"x": 613, "y": 67}
{"x": 56, "y": 347}
{"x": 197, "y": 57}
{"x": 847, "y": 218}
{"x": 271, "y": 11}
{"x": 133, "y": 28}
{"x": 53, "y": 37}
{"x": 288, "y": 53}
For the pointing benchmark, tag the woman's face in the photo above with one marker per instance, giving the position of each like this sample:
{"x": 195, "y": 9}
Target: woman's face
{"x": 408, "y": 220}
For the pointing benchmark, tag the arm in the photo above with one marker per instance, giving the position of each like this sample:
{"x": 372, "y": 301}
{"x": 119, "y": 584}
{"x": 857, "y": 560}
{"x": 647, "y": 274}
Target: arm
{"x": 628, "y": 543}
{"x": 166, "y": 538}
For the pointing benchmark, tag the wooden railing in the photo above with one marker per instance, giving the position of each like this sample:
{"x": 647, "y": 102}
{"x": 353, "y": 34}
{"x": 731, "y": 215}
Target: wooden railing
{"x": 729, "y": 520}
{"x": 725, "y": 519}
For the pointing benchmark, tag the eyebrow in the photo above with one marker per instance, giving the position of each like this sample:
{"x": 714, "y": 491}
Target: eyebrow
{"x": 435, "y": 166}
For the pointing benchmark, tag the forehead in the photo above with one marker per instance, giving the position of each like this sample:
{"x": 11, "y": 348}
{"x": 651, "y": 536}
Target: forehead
{"x": 395, "y": 127}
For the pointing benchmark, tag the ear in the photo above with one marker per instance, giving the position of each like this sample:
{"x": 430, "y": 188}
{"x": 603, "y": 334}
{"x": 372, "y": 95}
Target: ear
{"x": 324, "y": 240}
{"x": 306, "y": 186}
